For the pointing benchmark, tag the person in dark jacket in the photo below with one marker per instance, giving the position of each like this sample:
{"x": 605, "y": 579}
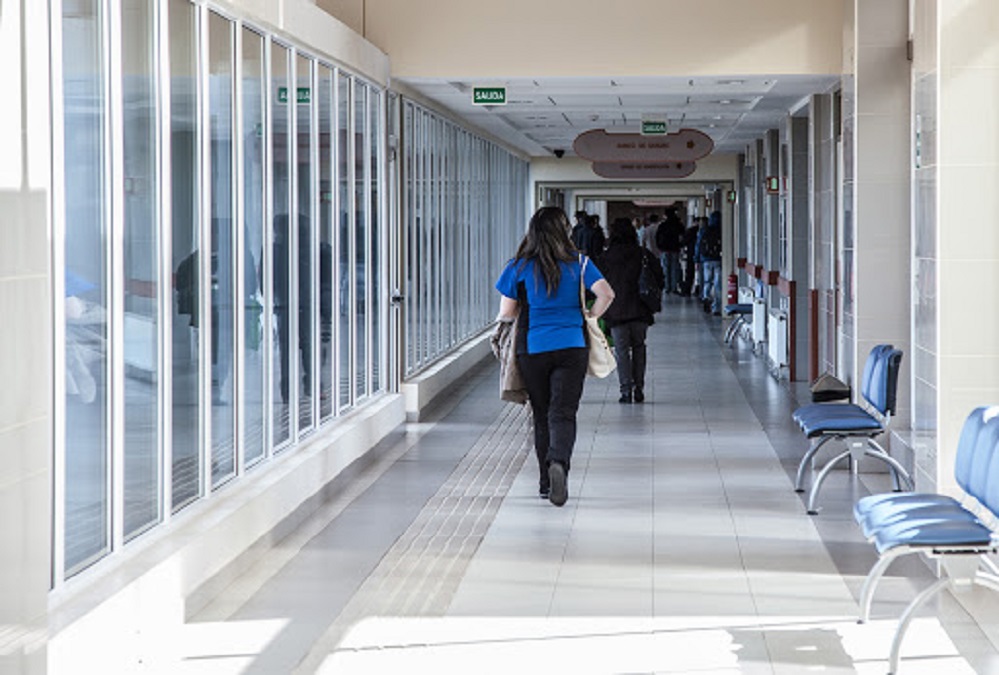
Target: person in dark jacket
{"x": 628, "y": 318}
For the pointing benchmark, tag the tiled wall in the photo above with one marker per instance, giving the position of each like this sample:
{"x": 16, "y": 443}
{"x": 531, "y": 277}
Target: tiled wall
{"x": 25, "y": 347}
{"x": 967, "y": 208}
{"x": 878, "y": 233}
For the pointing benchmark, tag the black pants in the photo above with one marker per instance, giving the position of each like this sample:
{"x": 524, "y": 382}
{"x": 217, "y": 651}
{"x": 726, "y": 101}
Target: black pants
{"x": 629, "y": 348}
{"x": 554, "y": 385}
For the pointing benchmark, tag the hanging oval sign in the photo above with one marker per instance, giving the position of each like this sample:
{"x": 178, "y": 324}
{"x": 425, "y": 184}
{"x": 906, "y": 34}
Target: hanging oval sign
{"x": 642, "y": 170}
{"x": 597, "y": 145}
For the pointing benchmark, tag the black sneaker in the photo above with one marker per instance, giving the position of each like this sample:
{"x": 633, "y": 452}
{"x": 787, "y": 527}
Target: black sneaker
{"x": 544, "y": 491}
{"x": 559, "y": 492}
{"x": 625, "y": 397}
{"x": 639, "y": 395}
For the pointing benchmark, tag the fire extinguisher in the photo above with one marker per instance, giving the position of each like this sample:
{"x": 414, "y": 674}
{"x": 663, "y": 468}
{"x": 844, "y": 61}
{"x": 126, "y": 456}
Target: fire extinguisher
{"x": 733, "y": 289}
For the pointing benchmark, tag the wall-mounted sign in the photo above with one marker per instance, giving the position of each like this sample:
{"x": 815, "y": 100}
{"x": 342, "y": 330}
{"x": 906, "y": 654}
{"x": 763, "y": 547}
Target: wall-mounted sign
{"x": 641, "y": 170}
{"x": 653, "y": 128}
{"x": 489, "y": 95}
{"x": 773, "y": 185}
{"x": 685, "y": 145}
{"x": 730, "y": 196}
{"x": 302, "y": 95}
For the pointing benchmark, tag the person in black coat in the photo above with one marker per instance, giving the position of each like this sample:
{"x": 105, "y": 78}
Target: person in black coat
{"x": 628, "y": 317}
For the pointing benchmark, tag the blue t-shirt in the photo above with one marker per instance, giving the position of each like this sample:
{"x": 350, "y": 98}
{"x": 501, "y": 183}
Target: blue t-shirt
{"x": 556, "y": 321}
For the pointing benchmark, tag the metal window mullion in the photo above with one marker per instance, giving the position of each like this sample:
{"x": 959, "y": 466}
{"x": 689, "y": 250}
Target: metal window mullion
{"x": 388, "y": 261}
{"x": 335, "y": 327}
{"x": 239, "y": 246}
{"x": 205, "y": 327}
{"x": 369, "y": 254}
{"x": 293, "y": 307}
{"x": 352, "y": 236}
{"x": 164, "y": 287}
{"x": 58, "y": 281}
{"x": 267, "y": 254}
{"x": 314, "y": 232}
{"x": 115, "y": 165}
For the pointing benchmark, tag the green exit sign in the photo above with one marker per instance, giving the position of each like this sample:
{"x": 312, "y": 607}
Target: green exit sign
{"x": 302, "y": 95}
{"x": 653, "y": 128}
{"x": 489, "y": 95}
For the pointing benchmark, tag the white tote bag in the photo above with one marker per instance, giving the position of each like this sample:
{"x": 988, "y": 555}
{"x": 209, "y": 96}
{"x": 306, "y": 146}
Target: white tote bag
{"x": 601, "y": 362}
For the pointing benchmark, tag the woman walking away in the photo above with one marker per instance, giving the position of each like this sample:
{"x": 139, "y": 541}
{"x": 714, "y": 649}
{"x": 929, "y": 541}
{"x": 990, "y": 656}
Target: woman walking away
{"x": 628, "y": 318}
{"x": 542, "y": 284}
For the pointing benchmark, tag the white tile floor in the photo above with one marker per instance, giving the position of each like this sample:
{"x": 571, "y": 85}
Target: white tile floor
{"x": 683, "y": 548}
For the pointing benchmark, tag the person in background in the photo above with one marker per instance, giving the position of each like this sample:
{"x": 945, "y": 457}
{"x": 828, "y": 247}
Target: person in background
{"x": 541, "y": 283}
{"x": 669, "y": 236}
{"x": 689, "y": 262}
{"x": 581, "y": 231}
{"x": 709, "y": 250}
{"x": 648, "y": 237}
{"x": 628, "y": 318}
{"x": 598, "y": 241}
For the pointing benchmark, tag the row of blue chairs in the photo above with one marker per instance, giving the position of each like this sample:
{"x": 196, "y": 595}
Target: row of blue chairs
{"x": 960, "y": 534}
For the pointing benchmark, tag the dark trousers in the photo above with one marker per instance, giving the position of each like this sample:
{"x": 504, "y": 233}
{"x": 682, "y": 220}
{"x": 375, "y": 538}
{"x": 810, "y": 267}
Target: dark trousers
{"x": 629, "y": 348}
{"x": 554, "y": 383}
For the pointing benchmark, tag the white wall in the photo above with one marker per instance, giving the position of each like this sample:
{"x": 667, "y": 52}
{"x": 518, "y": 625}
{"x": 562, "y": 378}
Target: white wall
{"x": 25, "y": 343}
{"x": 516, "y": 38}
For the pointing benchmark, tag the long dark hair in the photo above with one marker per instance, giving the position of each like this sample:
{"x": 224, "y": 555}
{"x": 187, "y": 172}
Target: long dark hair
{"x": 547, "y": 242}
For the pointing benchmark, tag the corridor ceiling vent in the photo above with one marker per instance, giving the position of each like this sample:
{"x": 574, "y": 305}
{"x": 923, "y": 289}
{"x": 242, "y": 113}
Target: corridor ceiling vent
{"x": 685, "y": 145}
{"x": 638, "y": 171}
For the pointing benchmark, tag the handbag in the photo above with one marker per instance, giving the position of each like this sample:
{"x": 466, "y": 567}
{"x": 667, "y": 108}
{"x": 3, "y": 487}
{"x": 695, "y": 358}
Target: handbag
{"x": 649, "y": 290}
{"x": 601, "y": 361}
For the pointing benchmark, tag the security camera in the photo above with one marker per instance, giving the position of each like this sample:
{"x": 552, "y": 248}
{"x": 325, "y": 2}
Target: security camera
{"x": 559, "y": 153}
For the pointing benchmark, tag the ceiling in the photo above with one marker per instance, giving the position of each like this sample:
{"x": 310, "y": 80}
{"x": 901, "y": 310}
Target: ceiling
{"x": 545, "y": 115}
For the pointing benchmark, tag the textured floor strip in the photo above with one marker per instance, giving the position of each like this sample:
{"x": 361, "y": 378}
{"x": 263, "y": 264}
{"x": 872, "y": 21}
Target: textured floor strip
{"x": 420, "y": 573}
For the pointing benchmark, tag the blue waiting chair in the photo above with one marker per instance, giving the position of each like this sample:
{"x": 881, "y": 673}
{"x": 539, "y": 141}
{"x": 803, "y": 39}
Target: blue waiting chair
{"x": 957, "y": 533}
{"x": 855, "y": 425}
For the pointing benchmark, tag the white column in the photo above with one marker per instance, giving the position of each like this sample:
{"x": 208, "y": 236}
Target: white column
{"x": 966, "y": 222}
{"x": 881, "y": 183}
{"x": 25, "y": 343}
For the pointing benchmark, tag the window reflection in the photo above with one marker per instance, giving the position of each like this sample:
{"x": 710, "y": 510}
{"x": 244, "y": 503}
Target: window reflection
{"x": 223, "y": 267}
{"x": 280, "y": 420}
{"x": 86, "y": 302}
{"x": 254, "y": 200}
{"x": 360, "y": 240}
{"x": 141, "y": 318}
{"x": 184, "y": 196}
{"x": 326, "y": 239}
{"x": 345, "y": 278}
{"x": 306, "y": 231}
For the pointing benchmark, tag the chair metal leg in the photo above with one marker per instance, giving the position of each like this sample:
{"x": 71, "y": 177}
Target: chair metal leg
{"x": 817, "y": 485}
{"x": 871, "y": 583}
{"x": 908, "y": 616}
{"x": 799, "y": 480}
{"x": 898, "y": 471}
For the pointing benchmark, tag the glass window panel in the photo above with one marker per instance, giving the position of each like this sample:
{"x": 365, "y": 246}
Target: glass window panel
{"x": 408, "y": 190}
{"x": 345, "y": 319}
{"x": 86, "y": 302}
{"x": 141, "y": 261}
{"x": 306, "y": 231}
{"x": 186, "y": 336}
{"x": 326, "y": 239}
{"x": 360, "y": 240}
{"x": 254, "y": 363}
{"x": 223, "y": 267}
{"x": 280, "y": 414}
{"x": 374, "y": 137}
